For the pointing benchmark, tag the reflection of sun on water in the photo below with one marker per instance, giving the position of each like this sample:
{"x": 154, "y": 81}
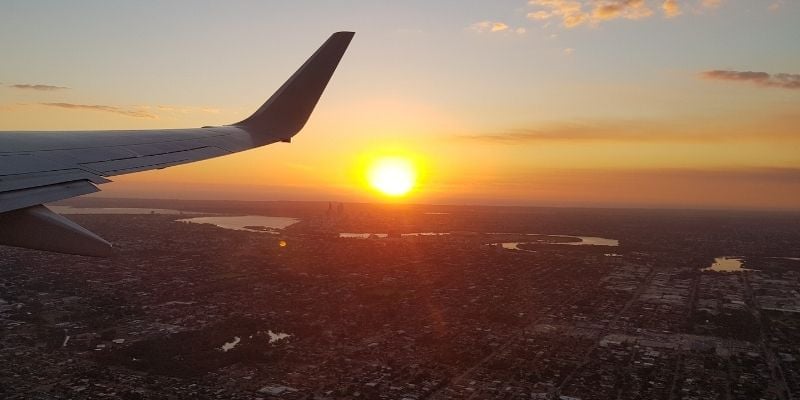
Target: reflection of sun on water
{"x": 392, "y": 176}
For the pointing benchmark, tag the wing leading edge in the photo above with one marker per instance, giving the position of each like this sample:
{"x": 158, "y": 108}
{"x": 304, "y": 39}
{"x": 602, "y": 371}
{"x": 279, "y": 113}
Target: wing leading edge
{"x": 40, "y": 167}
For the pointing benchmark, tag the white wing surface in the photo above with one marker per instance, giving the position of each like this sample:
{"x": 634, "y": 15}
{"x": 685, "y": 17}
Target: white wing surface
{"x": 41, "y": 167}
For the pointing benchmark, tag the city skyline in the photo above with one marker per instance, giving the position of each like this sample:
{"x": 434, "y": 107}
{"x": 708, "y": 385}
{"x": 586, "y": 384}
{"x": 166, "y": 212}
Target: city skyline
{"x": 686, "y": 104}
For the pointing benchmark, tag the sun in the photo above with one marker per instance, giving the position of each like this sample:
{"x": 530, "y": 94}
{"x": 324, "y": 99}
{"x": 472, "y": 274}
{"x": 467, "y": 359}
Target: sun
{"x": 393, "y": 176}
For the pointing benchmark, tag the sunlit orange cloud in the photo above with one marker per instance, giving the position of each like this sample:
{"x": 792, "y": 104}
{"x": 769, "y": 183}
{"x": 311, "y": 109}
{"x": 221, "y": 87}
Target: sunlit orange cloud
{"x": 495, "y": 27}
{"x": 489, "y": 26}
{"x": 628, "y": 9}
{"x": 671, "y": 8}
{"x": 573, "y": 13}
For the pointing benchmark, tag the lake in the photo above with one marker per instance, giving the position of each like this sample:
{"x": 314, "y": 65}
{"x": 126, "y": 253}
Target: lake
{"x": 267, "y": 224}
{"x": 584, "y": 241}
{"x": 385, "y": 235}
{"x": 250, "y": 223}
{"x": 727, "y": 264}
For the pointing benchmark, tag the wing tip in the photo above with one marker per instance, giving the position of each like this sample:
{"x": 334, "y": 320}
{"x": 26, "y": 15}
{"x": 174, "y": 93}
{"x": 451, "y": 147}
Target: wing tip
{"x": 285, "y": 113}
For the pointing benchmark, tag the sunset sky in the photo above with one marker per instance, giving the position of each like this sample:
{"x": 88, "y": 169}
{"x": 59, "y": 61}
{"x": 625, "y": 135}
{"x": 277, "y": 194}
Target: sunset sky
{"x": 676, "y": 103}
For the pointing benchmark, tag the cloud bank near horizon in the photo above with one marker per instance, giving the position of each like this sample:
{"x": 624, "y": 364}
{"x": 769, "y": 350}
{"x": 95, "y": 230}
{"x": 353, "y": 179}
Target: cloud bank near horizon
{"x": 763, "y": 79}
{"x": 37, "y": 87}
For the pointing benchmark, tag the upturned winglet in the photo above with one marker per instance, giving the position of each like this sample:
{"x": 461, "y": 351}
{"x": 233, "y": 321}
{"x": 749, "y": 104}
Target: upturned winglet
{"x": 286, "y": 112}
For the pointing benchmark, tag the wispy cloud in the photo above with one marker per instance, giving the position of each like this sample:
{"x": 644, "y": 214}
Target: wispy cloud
{"x": 573, "y": 13}
{"x": 567, "y": 133}
{"x": 763, "y": 79}
{"x": 774, "y": 128}
{"x": 43, "y": 88}
{"x": 495, "y": 27}
{"x": 136, "y": 113}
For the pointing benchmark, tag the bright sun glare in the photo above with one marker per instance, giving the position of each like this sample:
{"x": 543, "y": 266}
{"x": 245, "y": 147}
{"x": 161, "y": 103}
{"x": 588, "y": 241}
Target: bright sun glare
{"x": 392, "y": 176}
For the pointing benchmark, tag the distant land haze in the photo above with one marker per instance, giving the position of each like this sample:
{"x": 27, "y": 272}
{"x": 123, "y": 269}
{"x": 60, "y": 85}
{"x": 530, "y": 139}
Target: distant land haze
{"x": 768, "y": 190}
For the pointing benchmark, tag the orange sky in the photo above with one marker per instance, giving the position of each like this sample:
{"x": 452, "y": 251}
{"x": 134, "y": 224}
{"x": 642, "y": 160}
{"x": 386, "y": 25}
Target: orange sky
{"x": 504, "y": 103}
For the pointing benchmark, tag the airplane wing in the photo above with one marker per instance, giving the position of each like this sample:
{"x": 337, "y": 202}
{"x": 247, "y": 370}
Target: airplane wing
{"x": 41, "y": 167}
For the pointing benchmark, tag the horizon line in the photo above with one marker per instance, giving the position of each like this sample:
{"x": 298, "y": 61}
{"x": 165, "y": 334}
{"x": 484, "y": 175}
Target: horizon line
{"x": 598, "y": 206}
